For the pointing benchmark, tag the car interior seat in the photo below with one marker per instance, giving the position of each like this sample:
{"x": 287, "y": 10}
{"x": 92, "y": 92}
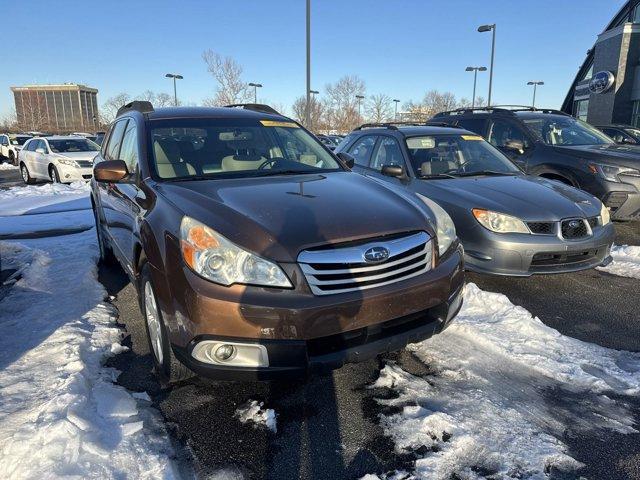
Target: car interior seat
{"x": 169, "y": 162}
{"x": 246, "y": 156}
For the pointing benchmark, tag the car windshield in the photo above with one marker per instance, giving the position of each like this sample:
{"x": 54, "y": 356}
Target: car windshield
{"x": 19, "y": 140}
{"x": 634, "y": 132}
{"x": 456, "y": 155}
{"x": 221, "y": 148}
{"x": 72, "y": 146}
{"x": 562, "y": 131}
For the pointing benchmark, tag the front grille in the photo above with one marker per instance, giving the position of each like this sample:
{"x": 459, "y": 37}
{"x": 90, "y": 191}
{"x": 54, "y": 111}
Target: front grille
{"x": 84, "y": 163}
{"x": 548, "y": 259}
{"x": 339, "y": 270}
{"x": 574, "y": 228}
{"x": 542, "y": 228}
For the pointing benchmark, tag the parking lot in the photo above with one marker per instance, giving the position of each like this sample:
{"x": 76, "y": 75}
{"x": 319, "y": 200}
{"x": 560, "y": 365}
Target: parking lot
{"x": 358, "y": 420}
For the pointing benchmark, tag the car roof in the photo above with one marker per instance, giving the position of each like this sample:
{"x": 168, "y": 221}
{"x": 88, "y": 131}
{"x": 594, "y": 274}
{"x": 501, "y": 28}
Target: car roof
{"x": 413, "y": 130}
{"x": 210, "y": 112}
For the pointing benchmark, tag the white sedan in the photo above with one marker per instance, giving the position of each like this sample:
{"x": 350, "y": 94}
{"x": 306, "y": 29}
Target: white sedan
{"x": 60, "y": 159}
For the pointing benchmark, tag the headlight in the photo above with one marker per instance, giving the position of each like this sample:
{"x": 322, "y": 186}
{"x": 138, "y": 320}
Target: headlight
{"x": 445, "y": 229}
{"x": 69, "y": 162}
{"x": 214, "y": 257}
{"x": 499, "y": 222}
{"x": 611, "y": 172}
{"x": 605, "y": 216}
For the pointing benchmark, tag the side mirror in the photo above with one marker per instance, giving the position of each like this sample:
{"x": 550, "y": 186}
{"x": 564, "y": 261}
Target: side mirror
{"x": 393, "y": 171}
{"x": 348, "y": 159}
{"x": 515, "y": 145}
{"x": 110, "y": 171}
{"x": 40, "y": 150}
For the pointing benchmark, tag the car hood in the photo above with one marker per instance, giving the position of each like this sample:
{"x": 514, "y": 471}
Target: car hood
{"x": 78, "y": 155}
{"x": 525, "y": 197}
{"x": 277, "y": 217}
{"x": 620, "y": 155}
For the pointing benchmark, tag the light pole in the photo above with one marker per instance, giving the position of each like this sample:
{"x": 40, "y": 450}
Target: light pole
{"x": 490, "y": 28}
{"x": 359, "y": 97}
{"x": 535, "y": 84}
{"x": 255, "y": 86}
{"x": 395, "y": 113}
{"x": 308, "y": 105}
{"x": 311, "y": 92}
{"x": 475, "y": 71}
{"x": 175, "y": 77}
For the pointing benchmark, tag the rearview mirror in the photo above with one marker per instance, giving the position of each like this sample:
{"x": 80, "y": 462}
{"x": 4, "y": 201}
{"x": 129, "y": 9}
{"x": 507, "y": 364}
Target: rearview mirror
{"x": 393, "y": 171}
{"x": 515, "y": 145}
{"x": 110, "y": 171}
{"x": 348, "y": 159}
{"x": 40, "y": 150}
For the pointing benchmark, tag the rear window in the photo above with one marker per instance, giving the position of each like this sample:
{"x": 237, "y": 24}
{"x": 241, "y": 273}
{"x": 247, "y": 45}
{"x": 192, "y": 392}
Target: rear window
{"x": 72, "y": 145}
{"x": 215, "y": 148}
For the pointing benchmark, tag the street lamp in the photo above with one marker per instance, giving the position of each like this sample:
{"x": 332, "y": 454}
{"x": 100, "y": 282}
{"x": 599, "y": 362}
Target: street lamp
{"x": 535, "y": 84}
{"x": 175, "y": 93}
{"x": 308, "y": 105}
{"x": 359, "y": 97}
{"x": 310, "y": 95}
{"x": 255, "y": 86}
{"x": 395, "y": 114}
{"x": 475, "y": 71}
{"x": 490, "y": 28}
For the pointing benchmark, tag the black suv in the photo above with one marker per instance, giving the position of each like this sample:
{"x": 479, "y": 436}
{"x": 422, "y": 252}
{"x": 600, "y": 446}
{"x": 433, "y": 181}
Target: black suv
{"x": 554, "y": 145}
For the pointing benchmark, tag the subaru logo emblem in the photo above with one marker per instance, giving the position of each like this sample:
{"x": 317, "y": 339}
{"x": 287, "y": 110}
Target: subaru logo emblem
{"x": 376, "y": 255}
{"x": 574, "y": 224}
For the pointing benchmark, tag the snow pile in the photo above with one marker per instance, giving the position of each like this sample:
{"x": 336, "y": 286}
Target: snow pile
{"x": 61, "y": 415}
{"x": 505, "y": 389}
{"x": 252, "y": 411}
{"x": 7, "y": 166}
{"x": 626, "y": 261}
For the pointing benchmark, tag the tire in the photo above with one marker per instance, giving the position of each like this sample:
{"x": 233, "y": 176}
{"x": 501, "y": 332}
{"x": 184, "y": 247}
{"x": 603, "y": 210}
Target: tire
{"x": 166, "y": 366}
{"x": 53, "y": 174}
{"x": 12, "y": 159}
{"x": 106, "y": 253}
{"x": 26, "y": 177}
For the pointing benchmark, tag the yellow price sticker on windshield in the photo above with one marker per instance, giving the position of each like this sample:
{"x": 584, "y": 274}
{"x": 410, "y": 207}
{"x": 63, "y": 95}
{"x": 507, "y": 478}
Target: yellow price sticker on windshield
{"x": 472, "y": 137}
{"x": 275, "y": 123}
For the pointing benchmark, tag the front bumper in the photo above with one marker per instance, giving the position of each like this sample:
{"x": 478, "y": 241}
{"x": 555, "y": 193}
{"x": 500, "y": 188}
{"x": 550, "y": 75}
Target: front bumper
{"x": 304, "y": 333}
{"x": 526, "y": 255}
{"x": 72, "y": 174}
{"x": 622, "y": 198}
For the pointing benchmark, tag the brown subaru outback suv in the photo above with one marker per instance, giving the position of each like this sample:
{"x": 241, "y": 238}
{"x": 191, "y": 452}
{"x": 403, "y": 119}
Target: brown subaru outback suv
{"x": 257, "y": 253}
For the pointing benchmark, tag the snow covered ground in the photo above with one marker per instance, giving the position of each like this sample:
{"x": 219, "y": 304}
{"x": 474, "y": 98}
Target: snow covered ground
{"x": 7, "y": 166}
{"x": 626, "y": 261}
{"x": 504, "y": 389}
{"x": 61, "y": 414}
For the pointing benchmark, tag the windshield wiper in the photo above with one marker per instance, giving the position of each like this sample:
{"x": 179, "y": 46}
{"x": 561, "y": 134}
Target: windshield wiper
{"x": 486, "y": 172}
{"x": 438, "y": 175}
{"x": 270, "y": 173}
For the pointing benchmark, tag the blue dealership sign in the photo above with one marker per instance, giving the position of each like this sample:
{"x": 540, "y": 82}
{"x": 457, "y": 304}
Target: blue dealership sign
{"x": 601, "y": 82}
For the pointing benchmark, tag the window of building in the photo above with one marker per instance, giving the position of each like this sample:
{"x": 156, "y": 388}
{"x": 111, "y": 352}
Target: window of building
{"x": 635, "y": 114}
{"x": 588, "y": 74}
{"x": 581, "y": 109}
{"x": 635, "y": 14}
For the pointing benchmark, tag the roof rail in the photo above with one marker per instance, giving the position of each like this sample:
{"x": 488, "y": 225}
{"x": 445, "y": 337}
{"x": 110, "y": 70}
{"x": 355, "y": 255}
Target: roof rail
{"x": 395, "y": 125}
{"x": 510, "y": 109}
{"x": 141, "y": 106}
{"x": 256, "y": 107}
{"x": 376, "y": 125}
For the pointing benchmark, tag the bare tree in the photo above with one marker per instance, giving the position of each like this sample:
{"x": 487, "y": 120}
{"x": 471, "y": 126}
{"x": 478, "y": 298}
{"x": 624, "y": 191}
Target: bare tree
{"x": 379, "y": 108}
{"x": 110, "y": 107}
{"x": 341, "y": 104}
{"x": 481, "y": 102}
{"x": 228, "y": 75}
{"x": 435, "y": 102}
{"x": 165, "y": 100}
{"x": 299, "y": 108}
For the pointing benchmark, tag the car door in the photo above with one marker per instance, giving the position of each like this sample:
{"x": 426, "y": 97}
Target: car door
{"x": 35, "y": 160}
{"x": 387, "y": 151}
{"x": 504, "y": 133}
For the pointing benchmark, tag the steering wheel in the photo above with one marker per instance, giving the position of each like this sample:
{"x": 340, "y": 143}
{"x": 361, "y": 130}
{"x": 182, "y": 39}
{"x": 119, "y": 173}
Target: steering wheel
{"x": 271, "y": 161}
{"x": 459, "y": 167}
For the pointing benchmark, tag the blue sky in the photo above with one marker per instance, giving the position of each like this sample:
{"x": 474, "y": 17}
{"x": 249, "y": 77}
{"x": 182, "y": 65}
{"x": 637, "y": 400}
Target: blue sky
{"x": 399, "y": 47}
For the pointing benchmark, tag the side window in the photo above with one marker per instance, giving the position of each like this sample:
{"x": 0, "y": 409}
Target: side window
{"x": 115, "y": 140}
{"x": 387, "y": 153}
{"x": 362, "y": 149}
{"x": 41, "y": 144}
{"x": 617, "y": 135}
{"x": 502, "y": 133}
{"x": 129, "y": 149}
{"x": 475, "y": 125}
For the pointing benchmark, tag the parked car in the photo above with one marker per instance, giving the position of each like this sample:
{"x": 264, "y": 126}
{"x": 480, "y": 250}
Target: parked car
{"x": 509, "y": 223}
{"x": 63, "y": 159}
{"x": 327, "y": 141}
{"x": 554, "y": 145}
{"x": 88, "y": 136}
{"x": 624, "y": 134}
{"x": 257, "y": 253}
{"x": 10, "y": 145}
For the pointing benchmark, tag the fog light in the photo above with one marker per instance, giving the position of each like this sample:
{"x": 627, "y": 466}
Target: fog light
{"x": 225, "y": 352}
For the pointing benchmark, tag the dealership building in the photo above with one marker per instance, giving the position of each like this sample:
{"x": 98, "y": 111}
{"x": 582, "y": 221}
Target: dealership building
{"x": 607, "y": 87}
{"x": 58, "y": 108}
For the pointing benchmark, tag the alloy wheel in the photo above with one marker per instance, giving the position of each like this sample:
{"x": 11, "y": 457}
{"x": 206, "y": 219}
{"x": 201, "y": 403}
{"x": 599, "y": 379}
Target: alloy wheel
{"x": 25, "y": 173}
{"x": 153, "y": 321}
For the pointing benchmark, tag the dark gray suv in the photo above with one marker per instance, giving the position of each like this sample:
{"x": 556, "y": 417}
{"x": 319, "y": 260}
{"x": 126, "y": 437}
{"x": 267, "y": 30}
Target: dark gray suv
{"x": 554, "y": 145}
{"x": 509, "y": 223}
